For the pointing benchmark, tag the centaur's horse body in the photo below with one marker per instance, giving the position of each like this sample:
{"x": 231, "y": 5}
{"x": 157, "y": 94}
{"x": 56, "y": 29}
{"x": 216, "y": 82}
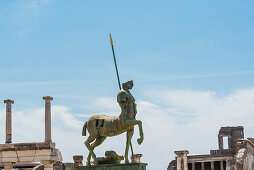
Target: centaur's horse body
{"x": 101, "y": 126}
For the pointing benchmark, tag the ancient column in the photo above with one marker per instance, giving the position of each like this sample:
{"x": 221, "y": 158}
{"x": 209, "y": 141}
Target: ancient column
{"x": 193, "y": 165}
{"x": 47, "y": 118}
{"x": 8, "y": 120}
{"x": 78, "y": 161}
{"x": 182, "y": 159}
{"x": 221, "y": 165}
{"x": 202, "y": 165}
{"x": 212, "y": 165}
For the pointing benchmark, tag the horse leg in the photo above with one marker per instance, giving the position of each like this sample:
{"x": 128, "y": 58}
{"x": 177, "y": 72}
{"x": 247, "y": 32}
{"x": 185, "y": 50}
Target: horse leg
{"x": 129, "y": 135}
{"x": 141, "y": 134}
{"x": 133, "y": 122}
{"x": 98, "y": 141}
{"x": 89, "y": 140}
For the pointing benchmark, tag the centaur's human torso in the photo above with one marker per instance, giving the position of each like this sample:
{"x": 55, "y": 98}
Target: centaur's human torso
{"x": 112, "y": 126}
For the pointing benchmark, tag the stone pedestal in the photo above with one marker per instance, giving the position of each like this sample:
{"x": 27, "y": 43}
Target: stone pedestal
{"x": 131, "y": 166}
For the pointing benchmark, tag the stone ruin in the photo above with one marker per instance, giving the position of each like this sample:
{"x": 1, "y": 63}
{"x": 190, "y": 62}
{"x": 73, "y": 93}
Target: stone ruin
{"x": 239, "y": 155}
{"x": 29, "y": 155}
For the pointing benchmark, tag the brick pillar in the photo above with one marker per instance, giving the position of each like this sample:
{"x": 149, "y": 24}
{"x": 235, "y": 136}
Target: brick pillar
{"x": 182, "y": 160}
{"x": 220, "y": 138}
{"x": 78, "y": 161}
{"x": 8, "y": 121}
{"x": 47, "y": 118}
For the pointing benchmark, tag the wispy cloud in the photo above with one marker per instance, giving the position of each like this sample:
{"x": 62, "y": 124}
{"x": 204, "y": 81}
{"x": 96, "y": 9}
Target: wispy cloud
{"x": 30, "y": 83}
{"x": 30, "y": 8}
{"x": 197, "y": 76}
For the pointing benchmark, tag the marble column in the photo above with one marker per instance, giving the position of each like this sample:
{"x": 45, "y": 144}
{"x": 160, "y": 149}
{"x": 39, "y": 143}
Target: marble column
{"x": 193, "y": 165}
{"x": 8, "y": 121}
{"x": 221, "y": 165}
{"x": 212, "y": 165}
{"x": 202, "y": 165}
{"x": 182, "y": 160}
{"x": 47, "y": 118}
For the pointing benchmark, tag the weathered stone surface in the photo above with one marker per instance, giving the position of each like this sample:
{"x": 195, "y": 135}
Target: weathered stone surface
{"x": 238, "y": 156}
{"x": 29, "y": 152}
{"x": 47, "y": 118}
{"x": 8, "y": 121}
{"x": 132, "y": 166}
{"x": 111, "y": 157}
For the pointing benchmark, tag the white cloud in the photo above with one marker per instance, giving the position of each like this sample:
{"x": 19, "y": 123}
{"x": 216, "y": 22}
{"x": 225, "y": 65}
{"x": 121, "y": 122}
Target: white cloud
{"x": 172, "y": 120}
{"x": 30, "y": 7}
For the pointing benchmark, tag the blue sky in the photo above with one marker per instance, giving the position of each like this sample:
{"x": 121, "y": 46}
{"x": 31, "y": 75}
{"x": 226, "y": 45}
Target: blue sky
{"x": 62, "y": 49}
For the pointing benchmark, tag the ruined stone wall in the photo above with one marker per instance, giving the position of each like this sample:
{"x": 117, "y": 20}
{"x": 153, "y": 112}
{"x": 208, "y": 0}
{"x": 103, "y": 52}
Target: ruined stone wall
{"x": 245, "y": 155}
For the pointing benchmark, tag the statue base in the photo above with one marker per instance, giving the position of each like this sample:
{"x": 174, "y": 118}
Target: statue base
{"x": 131, "y": 166}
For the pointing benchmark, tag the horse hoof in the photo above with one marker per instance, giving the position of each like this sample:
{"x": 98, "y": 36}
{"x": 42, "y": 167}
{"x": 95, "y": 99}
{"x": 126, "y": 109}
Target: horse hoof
{"x": 127, "y": 161}
{"x": 140, "y": 140}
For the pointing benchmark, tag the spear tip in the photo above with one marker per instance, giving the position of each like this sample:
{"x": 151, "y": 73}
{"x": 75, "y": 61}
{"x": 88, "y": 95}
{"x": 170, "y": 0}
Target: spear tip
{"x": 111, "y": 41}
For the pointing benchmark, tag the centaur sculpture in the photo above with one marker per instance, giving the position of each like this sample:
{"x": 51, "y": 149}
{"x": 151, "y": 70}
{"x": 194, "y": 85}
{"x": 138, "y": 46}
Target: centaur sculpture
{"x": 101, "y": 126}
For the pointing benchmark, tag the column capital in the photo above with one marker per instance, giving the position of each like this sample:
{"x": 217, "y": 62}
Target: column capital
{"x": 9, "y": 101}
{"x": 181, "y": 153}
{"x": 47, "y": 98}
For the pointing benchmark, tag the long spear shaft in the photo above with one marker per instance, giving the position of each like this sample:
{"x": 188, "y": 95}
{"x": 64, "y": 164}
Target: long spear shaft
{"x": 115, "y": 62}
{"x": 111, "y": 41}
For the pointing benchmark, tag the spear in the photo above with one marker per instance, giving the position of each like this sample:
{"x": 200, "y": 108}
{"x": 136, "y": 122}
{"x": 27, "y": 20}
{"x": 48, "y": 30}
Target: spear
{"x": 111, "y": 41}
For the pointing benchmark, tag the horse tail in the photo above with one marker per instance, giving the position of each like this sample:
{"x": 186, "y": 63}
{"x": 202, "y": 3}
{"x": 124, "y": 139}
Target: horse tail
{"x": 84, "y": 129}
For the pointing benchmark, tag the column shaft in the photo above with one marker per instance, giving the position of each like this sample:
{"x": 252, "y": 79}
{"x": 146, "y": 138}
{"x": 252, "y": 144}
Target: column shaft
{"x": 8, "y": 121}
{"x": 185, "y": 162}
{"x": 202, "y": 165}
{"x": 221, "y": 165}
{"x": 193, "y": 165}
{"x": 212, "y": 165}
{"x": 47, "y": 118}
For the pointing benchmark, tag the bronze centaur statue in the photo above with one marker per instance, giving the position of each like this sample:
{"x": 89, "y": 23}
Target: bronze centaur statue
{"x": 101, "y": 126}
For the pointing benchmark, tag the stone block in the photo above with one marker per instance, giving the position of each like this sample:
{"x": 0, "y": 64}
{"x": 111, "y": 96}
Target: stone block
{"x": 26, "y": 155}
{"x": 9, "y": 156}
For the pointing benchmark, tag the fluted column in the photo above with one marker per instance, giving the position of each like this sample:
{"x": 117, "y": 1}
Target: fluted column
{"x": 47, "y": 118}
{"x": 8, "y": 121}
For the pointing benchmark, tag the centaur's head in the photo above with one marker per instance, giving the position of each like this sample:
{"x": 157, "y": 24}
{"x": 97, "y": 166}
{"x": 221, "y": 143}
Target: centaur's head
{"x": 127, "y": 85}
